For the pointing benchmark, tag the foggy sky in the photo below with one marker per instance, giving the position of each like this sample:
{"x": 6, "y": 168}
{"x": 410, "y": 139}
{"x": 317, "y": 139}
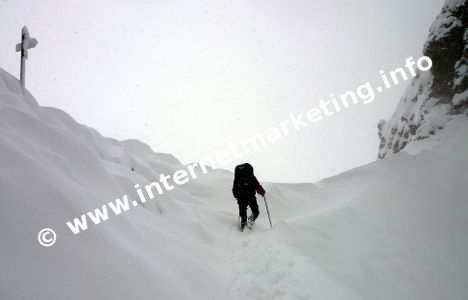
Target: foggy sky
{"x": 188, "y": 78}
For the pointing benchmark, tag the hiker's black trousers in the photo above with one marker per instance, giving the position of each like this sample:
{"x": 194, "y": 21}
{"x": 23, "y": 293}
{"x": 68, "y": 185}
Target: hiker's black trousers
{"x": 248, "y": 202}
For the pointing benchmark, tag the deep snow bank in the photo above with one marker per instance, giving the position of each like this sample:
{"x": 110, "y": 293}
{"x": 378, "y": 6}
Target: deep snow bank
{"x": 392, "y": 229}
{"x": 54, "y": 169}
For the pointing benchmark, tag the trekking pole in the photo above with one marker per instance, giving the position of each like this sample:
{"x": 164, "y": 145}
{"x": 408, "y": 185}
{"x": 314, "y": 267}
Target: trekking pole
{"x": 268, "y": 211}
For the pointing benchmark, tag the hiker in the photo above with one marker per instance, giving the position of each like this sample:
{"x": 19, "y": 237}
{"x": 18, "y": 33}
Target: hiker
{"x": 244, "y": 189}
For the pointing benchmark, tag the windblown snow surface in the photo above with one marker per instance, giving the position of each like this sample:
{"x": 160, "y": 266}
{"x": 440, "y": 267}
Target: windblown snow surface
{"x": 392, "y": 229}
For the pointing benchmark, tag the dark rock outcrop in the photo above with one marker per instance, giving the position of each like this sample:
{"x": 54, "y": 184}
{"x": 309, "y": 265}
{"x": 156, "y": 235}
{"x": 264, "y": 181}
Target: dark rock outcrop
{"x": 435, "y": 95}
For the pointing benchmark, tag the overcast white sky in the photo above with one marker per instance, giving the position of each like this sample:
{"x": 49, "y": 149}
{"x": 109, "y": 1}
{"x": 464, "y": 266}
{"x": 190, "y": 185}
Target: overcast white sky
{"x": 187, "y": 77}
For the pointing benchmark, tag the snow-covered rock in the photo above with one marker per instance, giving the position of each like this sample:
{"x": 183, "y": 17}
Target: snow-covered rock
{"x": 433, "y": 97}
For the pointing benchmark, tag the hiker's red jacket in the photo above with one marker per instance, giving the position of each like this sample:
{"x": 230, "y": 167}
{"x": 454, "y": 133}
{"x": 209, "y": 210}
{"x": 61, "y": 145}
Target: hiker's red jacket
{"x": 260, "y": 188}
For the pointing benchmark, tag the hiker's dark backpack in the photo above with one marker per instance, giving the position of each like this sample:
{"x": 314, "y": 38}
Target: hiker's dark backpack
{"x": 245, "y": 185}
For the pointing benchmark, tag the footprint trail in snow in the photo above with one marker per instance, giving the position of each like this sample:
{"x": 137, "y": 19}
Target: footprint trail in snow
{"x": 263, "y": 269}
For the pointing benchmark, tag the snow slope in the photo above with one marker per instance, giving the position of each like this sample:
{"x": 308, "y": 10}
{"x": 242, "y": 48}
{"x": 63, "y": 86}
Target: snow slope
{"x": 393, "y": 229}
{"x": 54, "y": 169}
